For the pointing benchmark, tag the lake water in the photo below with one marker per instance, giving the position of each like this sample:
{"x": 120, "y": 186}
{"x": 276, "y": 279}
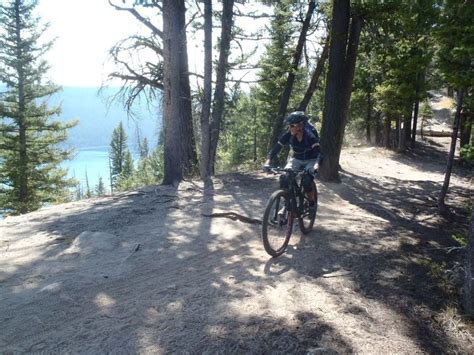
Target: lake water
{"x": 94, "y": 161}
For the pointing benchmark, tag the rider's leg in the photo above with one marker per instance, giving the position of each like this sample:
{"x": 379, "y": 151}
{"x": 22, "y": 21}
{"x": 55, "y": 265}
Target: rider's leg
{"x": 311, "y": 164}
{"x": 307, "y": 183}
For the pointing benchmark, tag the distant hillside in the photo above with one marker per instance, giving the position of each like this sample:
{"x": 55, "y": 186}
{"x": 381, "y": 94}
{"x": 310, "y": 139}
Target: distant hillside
{"x": 97, "y": 121}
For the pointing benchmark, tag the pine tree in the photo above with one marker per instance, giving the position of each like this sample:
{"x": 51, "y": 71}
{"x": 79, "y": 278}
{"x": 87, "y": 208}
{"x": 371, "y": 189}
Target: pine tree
{"x": 100, "y": 187}
{"x": 29, "y": 152}
{"x": 144, "y": 148}
{"x": 118, "y": 149}
{"x": 88, "y": 188}
{"x": 128, "y": 169}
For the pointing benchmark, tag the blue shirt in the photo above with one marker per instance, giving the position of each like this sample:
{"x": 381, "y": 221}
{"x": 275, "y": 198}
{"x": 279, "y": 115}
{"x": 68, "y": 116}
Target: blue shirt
{"x": 302, "y": 150}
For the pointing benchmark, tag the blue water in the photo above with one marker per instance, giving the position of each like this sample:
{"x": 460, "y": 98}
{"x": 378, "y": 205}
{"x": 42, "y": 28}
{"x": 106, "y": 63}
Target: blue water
{"x": 94, "y": 162}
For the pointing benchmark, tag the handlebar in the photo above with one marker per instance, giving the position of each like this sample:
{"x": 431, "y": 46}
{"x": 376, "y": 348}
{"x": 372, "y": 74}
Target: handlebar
{"x": 276, "y": 170}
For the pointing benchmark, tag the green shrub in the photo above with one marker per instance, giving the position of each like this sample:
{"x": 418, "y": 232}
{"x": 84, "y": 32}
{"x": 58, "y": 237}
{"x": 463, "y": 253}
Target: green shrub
{"x": 467, "y": 153}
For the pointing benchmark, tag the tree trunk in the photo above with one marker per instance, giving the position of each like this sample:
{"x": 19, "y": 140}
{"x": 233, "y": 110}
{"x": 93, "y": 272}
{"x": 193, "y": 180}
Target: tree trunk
{"x": 401, "y": 134}
{"x": 255, "y": 136}
{"x": 466, "y": 127}
{"x": 397, "y": 133}
{"x": 405, "y": 129}
{"x": 369, "y": 117}
{"x": 22, "y": 125}
{"x": 342, "y": 59}
{"x": 314, "y": 78}
{"x": 407, "y": 119}
{"x": 468, "y": 293}
{"x": 387, "y": 126}
{"x": 415, "y": 122}
{"x": 219, "y": 93}
{"x": 450, "y": 91}
{"x": 206, "y": 103}
{"x": 449, "y": 165}
{"x": 285, "y": 97}
{"x": 378, "y": 128}
{"x": 179, "y": 143}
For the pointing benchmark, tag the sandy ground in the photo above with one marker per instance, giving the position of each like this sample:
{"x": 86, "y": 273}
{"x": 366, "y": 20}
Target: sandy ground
{"x": 145, "y": 272}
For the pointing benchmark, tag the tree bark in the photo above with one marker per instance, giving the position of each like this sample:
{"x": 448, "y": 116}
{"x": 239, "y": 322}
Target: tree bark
{"x": 206, "y": 103}
{"x": 415, "y": 122}
{"x": 314, "y": 78}
{"x": 466, "y": 127}
{"x": 369, "y": 117}
{"x": 342, "y": 58}
{"x": 179, "y": 143}
{"x": 22, "y": 125}
{"x": 219, "y": 93}
{"x": 468, "y": 293}
{"x": 387, "y": 125}
{"x": 449, "y": 165}
{"x": 407, "y": 123}
{"x": 401, "y": 134}
{"x": 378, "y": 128}
{"x": 285, "y": 97}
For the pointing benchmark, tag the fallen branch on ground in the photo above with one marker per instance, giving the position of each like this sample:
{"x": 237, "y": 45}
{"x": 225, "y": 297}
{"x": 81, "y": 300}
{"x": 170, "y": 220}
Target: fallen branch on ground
{"x": 234, "y": 216}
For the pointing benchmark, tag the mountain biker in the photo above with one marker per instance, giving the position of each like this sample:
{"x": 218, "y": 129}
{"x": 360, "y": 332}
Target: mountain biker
{"x": 304, "y": 141}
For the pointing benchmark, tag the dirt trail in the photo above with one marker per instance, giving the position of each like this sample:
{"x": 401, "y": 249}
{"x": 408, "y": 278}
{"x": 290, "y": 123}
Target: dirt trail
{"x": 146, "y": 272}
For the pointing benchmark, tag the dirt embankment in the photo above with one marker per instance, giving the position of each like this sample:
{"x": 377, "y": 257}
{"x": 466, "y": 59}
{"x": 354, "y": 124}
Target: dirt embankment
{"x": 146, "y": 272}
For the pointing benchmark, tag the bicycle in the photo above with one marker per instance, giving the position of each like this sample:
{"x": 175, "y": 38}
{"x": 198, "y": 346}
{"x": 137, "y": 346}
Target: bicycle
{"x": 282, "y": 208}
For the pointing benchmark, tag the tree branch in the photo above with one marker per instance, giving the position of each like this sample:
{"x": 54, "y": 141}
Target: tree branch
{"x": 139, "y": 17}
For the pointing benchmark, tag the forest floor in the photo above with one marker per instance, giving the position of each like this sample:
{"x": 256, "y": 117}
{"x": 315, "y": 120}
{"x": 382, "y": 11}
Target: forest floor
{"x": 146, "y": 272}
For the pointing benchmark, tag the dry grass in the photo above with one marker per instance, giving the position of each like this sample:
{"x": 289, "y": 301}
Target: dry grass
{"x": 444, "y": 103}
{"x": 455, "y": 325}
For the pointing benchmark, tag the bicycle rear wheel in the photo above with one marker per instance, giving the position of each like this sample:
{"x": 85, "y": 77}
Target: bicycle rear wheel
{"x": 308, "y": 215}
{"x": 277, "y": 223}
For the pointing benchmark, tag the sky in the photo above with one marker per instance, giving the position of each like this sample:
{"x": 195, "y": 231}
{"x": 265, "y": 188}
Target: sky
{"x": 85, "y": 30}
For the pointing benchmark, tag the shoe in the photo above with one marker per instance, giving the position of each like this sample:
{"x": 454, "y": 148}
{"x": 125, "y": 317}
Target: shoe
{"x": 281, "y": 216}
{"x": 312, "y": 208}
{"x": 281, "y": 212}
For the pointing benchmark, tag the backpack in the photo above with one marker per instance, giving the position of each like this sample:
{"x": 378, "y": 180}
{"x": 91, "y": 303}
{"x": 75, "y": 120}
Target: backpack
{"x": 310, "y": 130}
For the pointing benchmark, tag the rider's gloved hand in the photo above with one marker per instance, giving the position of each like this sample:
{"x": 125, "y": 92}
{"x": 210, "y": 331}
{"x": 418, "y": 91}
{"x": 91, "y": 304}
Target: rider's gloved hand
{"x": 312, "y": 170}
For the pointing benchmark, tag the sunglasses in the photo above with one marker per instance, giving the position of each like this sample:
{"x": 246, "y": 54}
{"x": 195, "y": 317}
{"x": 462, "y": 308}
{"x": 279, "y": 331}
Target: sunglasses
{"x": 294, "y": 125}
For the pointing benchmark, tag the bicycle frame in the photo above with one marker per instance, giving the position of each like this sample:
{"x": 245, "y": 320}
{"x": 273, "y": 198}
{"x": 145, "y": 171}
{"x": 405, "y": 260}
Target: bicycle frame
{"x": 296, "y": 194}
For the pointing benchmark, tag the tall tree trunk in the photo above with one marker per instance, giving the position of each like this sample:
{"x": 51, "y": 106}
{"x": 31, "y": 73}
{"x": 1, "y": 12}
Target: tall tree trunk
{"x": 468, "y": 293}
{"x": 405, "y": 129}
{"x": 179, "y": 143}
{"x": 369, "y": 117}
{"x": 190, "y": 162}
{"x": 285, "y": 97}
{"x": 397, "y": 131}
{"x": 449, "y": 165}
{"x": 23, "y": 156}
{"x": 342, "y": 58}
{"x": 415, "y": 122}
{"x": 206, "y": 103}
{"x": 378, "y": 128}
{"x": 466, "y": 127}
{"x": 219, "y": 93}
{"x": 315, "y": 78}
{"x": 255, "y": 135}
{"x": 401, "y": 134}
{"x": 387, "y": 126}
{"x": 407, "y": 119}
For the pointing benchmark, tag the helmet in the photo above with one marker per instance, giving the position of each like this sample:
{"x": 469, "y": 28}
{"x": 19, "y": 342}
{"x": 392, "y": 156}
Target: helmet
{"x": 296, "y": 117}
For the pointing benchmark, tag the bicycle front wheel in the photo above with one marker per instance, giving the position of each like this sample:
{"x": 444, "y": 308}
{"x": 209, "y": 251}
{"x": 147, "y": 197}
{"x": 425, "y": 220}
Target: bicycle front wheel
{"x": 277, "y": 224}
{"x": 308, "y": 214}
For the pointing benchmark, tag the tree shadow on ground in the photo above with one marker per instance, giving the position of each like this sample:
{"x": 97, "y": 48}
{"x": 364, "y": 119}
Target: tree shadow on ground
{"x": 171, "y": 285}
{"x": 182, "y": 282}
